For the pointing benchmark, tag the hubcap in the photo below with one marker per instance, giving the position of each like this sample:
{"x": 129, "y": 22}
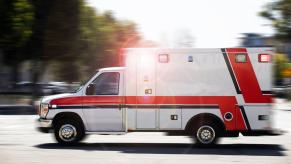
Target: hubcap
{"x": 67, "y": 132}
{"x": 205, "y": 134}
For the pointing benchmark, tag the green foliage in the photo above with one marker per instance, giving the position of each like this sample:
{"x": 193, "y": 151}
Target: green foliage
{"x": 16, "y": 17}
{"x": 280, "y": 64}
{"x": 61, "y": 39}
{"x": 94, "y": 42}
{"x": 279, "y": 12}
{"x": 101, "y": 38}
{"x": 69, "y": 35}
{"x": 62, "y": 30}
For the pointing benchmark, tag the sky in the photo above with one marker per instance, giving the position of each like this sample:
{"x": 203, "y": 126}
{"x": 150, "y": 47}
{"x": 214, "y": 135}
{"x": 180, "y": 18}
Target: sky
{"x": 211, "y": 23}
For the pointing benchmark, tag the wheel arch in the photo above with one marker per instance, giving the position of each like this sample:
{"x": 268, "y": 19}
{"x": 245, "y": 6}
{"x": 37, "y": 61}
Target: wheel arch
{"x": 204, "y": 117}
{"x": 68, "y": 115}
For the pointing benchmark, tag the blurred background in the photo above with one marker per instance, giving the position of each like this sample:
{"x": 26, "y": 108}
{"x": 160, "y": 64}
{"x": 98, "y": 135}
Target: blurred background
{"x": 52, "y": 46}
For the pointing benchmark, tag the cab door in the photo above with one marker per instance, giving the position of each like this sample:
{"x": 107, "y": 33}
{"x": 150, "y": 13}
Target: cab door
{"x": 103, "y": 103}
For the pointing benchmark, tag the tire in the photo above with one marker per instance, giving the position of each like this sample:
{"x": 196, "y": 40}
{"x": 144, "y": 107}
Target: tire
{"x": 206, "y": 133}
{"x": 68, "y": 132}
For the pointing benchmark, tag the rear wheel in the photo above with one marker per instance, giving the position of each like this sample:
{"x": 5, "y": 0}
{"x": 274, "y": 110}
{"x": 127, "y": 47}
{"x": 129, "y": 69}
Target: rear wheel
{"x": 205, "y": 133}
{"x": 69, "y": 132}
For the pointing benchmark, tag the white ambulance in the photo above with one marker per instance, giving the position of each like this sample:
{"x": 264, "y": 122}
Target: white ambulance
{"x": 202, "y": 93}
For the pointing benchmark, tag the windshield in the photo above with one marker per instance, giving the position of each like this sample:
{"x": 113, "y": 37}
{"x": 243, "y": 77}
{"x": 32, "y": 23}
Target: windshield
{"x": 79, "y": 88}
{"x": 85, "y": 81}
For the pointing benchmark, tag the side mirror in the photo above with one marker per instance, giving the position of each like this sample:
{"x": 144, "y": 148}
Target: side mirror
{"x": 91, "y": 89}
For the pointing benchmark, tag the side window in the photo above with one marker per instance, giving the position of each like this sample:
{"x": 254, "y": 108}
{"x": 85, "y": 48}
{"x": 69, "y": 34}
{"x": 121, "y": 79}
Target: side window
{"x": 105, "y": 84}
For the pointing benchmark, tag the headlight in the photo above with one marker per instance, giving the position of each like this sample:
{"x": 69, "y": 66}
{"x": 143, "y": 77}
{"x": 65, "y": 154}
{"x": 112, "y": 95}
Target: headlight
{"x": 44, "y": 108}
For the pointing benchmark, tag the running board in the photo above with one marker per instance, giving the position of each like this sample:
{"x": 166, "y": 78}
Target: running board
{"x": 107, "y": 133}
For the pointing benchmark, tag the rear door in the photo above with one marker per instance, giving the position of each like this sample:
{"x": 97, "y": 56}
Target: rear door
{"x": 103, "y": 110}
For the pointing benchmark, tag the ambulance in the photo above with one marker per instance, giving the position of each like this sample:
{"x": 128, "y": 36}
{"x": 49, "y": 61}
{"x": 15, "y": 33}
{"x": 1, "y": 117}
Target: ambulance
{"x": 202, "y": 93}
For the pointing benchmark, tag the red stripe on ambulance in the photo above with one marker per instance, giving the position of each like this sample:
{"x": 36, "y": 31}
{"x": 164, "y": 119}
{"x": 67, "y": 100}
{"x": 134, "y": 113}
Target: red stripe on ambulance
{"x": 225, "y": 103}
{"x": 246, "y": 78}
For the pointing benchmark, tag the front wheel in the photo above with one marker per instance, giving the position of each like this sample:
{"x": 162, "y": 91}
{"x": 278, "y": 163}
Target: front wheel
{"x": 68, "y": 132}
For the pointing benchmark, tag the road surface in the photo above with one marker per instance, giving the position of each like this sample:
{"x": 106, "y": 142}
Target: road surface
{"x": 20, "y": 143}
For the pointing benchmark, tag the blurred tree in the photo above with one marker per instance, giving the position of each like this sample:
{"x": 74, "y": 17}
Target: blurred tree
{"x": 102, "y": 36}
{"x": 62, "y": 38}
{"x": 67, "y": 34}
{"x": 279, "y": 12}
{"x": 16, "y": 18}
{"x": 280, "y": 65}
{"x": 55, "y": 36}
{"x": 35, "y": 44}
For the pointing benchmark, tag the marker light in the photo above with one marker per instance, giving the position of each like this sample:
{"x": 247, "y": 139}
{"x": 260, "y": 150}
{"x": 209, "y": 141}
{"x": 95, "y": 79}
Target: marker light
{"x": 241, "y": 58}
{"x": 264, "y": 58}
{"x": 190, "y": 58}
{"x": 44, "y": 108}
{"x": 163, "y": 58}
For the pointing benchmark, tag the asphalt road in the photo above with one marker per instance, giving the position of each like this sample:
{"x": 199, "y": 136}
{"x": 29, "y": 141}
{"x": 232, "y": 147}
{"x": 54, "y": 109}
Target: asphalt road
{"x": 20, "y": 143}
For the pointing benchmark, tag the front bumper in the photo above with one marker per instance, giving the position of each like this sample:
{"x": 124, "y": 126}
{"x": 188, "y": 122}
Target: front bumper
{"x": 44, "y": 125}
